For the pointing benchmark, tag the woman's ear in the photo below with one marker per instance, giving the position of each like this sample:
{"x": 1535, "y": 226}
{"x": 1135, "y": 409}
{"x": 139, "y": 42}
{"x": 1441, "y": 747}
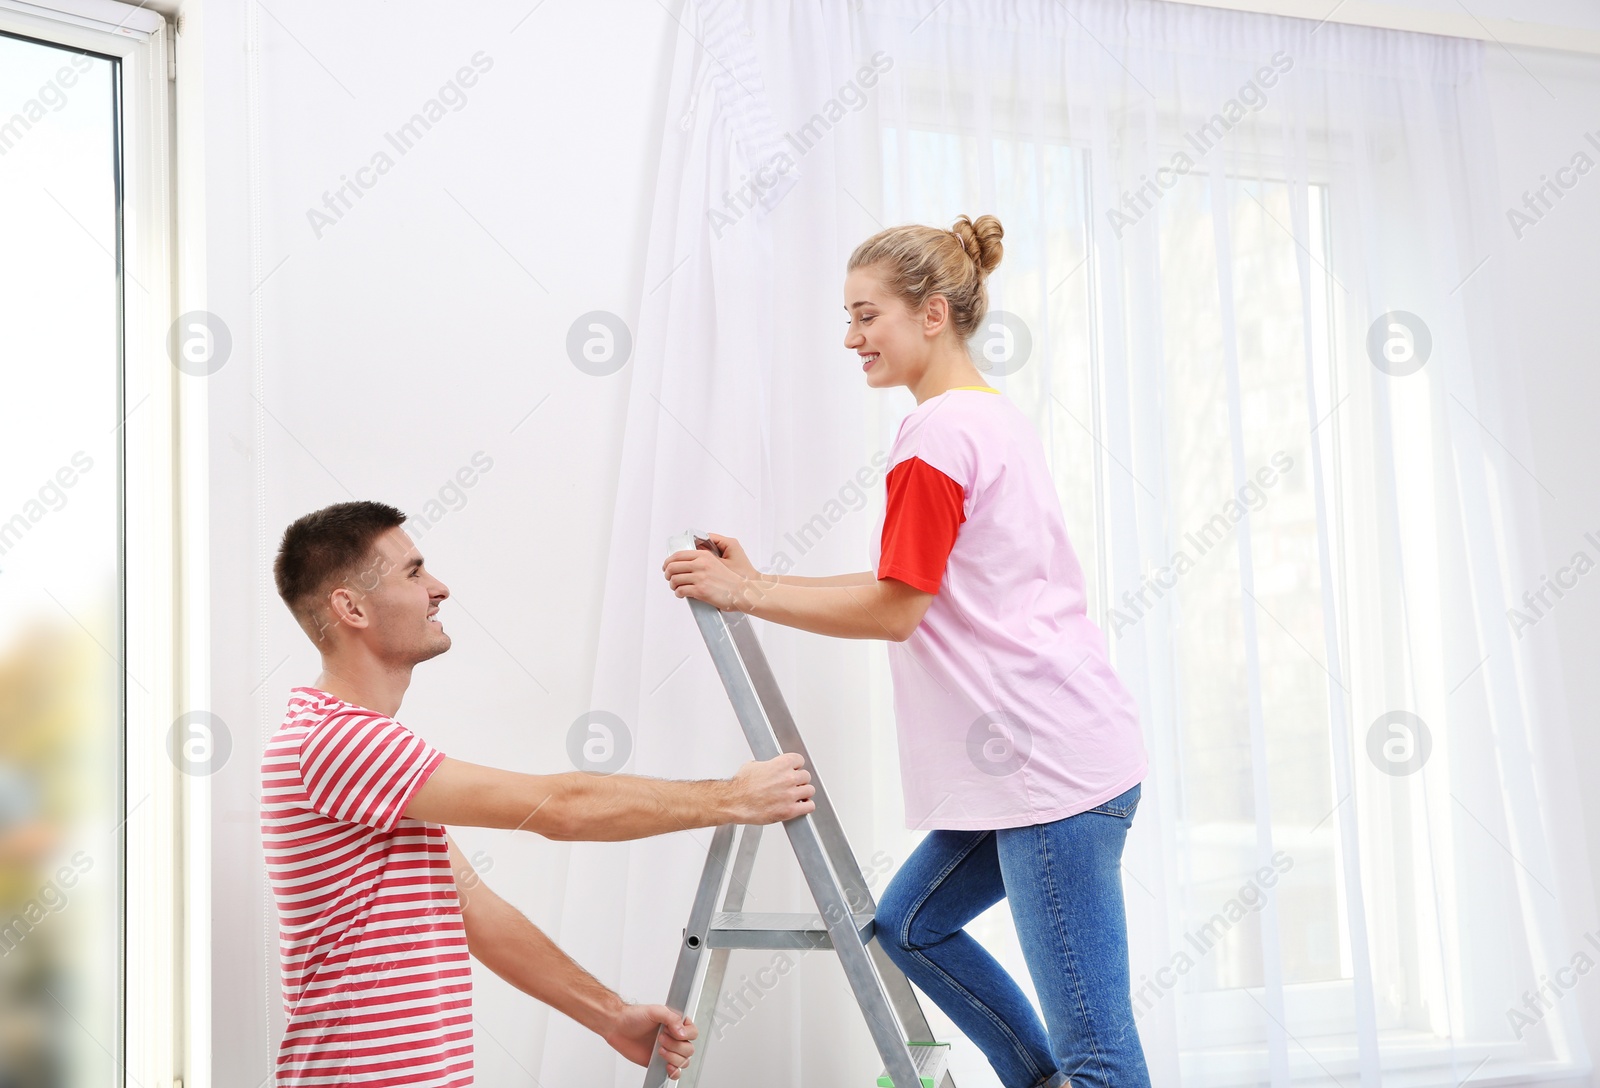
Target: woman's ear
{"x": 935, "y": 315}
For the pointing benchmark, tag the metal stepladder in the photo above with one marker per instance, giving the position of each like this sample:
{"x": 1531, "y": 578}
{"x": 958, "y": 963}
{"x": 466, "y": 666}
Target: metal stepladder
{"x": 717, "y": 921}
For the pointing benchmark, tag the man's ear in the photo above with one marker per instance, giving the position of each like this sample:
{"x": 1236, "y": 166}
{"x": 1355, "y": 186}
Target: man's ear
{"x": 346, "y": 607}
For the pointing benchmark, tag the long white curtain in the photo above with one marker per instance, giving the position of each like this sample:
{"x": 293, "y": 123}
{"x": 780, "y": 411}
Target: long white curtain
{"x": 1248, "y": 302}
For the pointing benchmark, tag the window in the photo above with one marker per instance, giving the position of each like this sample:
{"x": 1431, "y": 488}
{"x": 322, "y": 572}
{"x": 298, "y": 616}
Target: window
{"x": 1158, "y": 460}
{"x": 61, "y": 638}
{"x": 90, "y": 907}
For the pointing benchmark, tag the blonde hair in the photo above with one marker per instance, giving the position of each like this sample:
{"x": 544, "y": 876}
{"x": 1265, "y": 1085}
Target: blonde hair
{"x": 919, "y": 262}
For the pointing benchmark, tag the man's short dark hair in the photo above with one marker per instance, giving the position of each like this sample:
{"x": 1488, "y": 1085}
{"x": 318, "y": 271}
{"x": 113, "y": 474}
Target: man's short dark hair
{"x": 325, "y": 547}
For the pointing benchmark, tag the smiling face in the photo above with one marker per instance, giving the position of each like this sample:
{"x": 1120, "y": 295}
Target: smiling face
{"x": 390, "y": 604}
{"x": 894, "y": 343}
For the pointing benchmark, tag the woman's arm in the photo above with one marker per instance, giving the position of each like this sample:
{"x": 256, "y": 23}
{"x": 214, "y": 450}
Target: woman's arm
{"x": 861, "y": 578}
{"x": 734, "y": 555}
{"x": 860, "y": 605}
{"x": 884, "y": 609}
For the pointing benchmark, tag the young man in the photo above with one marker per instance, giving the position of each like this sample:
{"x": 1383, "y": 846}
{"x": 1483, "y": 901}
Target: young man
{"x": 378, "y": 910}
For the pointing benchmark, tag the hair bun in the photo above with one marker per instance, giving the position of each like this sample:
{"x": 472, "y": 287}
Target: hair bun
{"x": 981, "y": 240}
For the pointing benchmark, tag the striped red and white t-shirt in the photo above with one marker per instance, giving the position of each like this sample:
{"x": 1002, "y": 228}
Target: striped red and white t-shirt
{"x": 377, "y": 984}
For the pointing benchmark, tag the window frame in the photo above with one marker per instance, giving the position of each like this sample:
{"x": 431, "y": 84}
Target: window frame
{"x": 164, "y": 993}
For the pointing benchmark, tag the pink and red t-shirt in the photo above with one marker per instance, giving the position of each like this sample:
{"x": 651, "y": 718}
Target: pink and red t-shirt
{"x": 377, "y": 984}
{"x": 1008, "y": 709}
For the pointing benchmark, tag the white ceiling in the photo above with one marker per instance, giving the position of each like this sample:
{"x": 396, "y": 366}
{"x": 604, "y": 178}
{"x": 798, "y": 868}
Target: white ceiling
{"x": 1570, "y": 25}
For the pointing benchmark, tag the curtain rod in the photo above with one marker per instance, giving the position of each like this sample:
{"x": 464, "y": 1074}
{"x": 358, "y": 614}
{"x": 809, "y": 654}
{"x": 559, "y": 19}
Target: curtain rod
{"x": 1451, "y": 24}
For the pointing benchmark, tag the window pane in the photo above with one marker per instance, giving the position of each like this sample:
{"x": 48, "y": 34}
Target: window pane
{"x": 1038, "y": 189}
{"x": 1218, "y": 818}
{"x": 60, "y": 581}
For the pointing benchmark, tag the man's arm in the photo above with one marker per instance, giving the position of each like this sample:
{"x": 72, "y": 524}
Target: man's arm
{"x": 608, "y": 808}
{"x": 505, "y": 942}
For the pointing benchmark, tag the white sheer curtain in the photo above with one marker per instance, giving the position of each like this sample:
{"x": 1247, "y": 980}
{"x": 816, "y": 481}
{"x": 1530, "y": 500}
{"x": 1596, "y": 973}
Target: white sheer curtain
{"x": 1245, "y": 301}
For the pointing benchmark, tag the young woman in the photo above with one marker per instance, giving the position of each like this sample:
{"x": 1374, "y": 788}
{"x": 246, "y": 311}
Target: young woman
{"x": 1020, "y": 750}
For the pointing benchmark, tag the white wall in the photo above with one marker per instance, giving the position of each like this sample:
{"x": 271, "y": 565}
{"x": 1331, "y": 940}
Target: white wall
{"x": 399, "y": 344}
{"x": 406, "y": 339}
{"x": 1541, "y": 116}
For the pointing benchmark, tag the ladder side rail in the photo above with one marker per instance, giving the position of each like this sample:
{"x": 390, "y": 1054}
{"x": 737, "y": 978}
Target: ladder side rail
{"x": 693, "y": 949}
{"x": 826, "y": 887}
{"x": 852, "y": 952}
{"x": 705, "y": 1014}
{"x": 765, "y": 683}
{"x": 913, "y": 1020}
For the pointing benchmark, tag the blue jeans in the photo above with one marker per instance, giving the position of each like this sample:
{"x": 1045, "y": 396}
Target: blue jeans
{"x": 1063, "y": 881}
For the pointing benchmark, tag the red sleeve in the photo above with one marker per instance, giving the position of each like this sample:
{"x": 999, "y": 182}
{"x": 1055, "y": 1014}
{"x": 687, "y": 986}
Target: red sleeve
{"x": 922, "y": 514}
{"x": 363, "y": 768}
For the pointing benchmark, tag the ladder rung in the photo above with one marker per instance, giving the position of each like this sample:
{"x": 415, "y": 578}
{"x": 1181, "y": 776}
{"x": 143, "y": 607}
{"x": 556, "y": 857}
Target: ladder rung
{"x": 743, "y": 929}
{"x": 930, "y": 1060}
